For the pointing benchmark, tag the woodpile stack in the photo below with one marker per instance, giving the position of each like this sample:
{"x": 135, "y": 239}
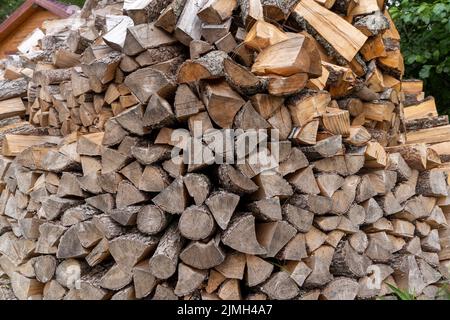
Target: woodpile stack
{"x": 344, "y": 202}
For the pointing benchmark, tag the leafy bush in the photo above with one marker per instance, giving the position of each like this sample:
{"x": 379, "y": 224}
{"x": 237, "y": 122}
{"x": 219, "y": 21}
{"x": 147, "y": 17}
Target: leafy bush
{"x": 425, "y": 27}
{"x": 7, "y": 7}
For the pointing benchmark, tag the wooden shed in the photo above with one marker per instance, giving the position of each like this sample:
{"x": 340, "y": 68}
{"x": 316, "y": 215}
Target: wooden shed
{"x": 29, "y": 16}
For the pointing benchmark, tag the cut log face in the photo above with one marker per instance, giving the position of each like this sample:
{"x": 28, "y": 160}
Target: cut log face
{"x": 298, "y": 58}
{"x": 145, "y": 36}
{"x": 222, "y": 206}
{"x": 321, "y": 21}
{"x": 151, "y": 220}
{"x": 274, "y": 236}
{"x": 209, "y": 66}
{"x": 216, "y": 11}
{"x": 233, "y": 266}
{"x": 128, "y": 250}
{"x": 173, "y": 199}
{"x": 222, "y": 103}
{"x": 196, "y": 223}
{"x": 128, "y": 194}
{"x": 189, "y": 279}
{"x": 347, "y": 262}
{"x": 70, "y": 245}
{"x": 234, "y": 181}
{"x": 116, "y": 278}
{"x": 280, "y": 286}
{"x": 198, "y": 187}
{"x": 341, "y": 289}
{"x": 44, "y": 268}
{"x": 267, "y": 209}
{"x": 241, "y": 79}
{"x": 258, "y": 270}
{"x": 203, "y": 255}
{"x": 157, "y": 83}
{"x": 241, "y": 236}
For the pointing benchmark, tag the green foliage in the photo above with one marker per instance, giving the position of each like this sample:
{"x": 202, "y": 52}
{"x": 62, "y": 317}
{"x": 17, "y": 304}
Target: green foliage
{"x": 425, "y": 27}
{"x": 7, "y": 7}
{"x": 402, "y": 295}
{"x": 444, "y": 291}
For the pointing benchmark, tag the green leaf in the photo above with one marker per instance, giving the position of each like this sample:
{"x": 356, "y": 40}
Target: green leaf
{"x": 425, "y": 71}
{"x": 402, "y": 295}
{"x": 439, "y": 8}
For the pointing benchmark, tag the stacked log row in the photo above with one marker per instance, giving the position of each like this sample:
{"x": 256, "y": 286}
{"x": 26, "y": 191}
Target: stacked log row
{"x": 83, "y": 77}
{"x": 108, "y": 211}
{"x": 85, "y": 220}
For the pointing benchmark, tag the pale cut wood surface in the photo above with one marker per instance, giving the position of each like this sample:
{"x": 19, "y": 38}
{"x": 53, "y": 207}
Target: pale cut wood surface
{"x": 345, "y": 39}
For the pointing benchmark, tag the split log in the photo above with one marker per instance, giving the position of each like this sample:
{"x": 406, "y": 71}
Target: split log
{"x": 325, "y": 148}
{"x": 313, "y": 203}
{"x": 25, "y": 288}
{"x": 242, "y": 79}
{"x": 196, "y": 223}
{"x": 126, "y": 216}
{"x": 263, "y": 35}
{"x": 222, "y": 206}
{"x": 189, "y": 279}
{"x": 323, "y": 24}
{"x": 217, "y": 11}
{"x": 128, "y": 194}
{"x": 210, "y": 66}
{"x": 173, "y": 199}
{"x": 11, "y": 108}
{"x": 151, "y": 220}
{"x": 222, "y": 103}
{"x": 158, "y": 83}
{"x": 13, "y": 89}
{"x": 294, "y": 51}
{"x": 163, "y": 263}
{"x": 188, "y": 27}
{"x": 145, "y": 36}
{"x": 129, "y": 249}
{"x": 115, "y": 278}
{"x": 277, "y": 10}
{"x": 306, "y": 107}
{"x": 280, "y": 286}
{"x": 198, "y": 187}
{"x": 144, "y": 10}
{"x": 44, "y": 268}
{"x": 168, "y": 17}
{"x": 319, "y": 262}
{"x": 70, "y": 245}
{"x": 203, "y": 255}
{"x": 258, "y": 270}
{"x": 241, "y": 236}
{"x": 251, "y": 11}
{"x": 341, "y": 289}
{"x": 266, "y": 209}
{"x": 432, "y": 183}
{"x": 164, "y": 292}
{"x": 234, "y": 181}
{"x": 144, "y": 281}
{"x": 347, "y": 262}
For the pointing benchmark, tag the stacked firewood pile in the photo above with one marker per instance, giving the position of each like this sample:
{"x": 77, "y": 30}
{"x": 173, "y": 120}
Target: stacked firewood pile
{"x": 139, "y": 189}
